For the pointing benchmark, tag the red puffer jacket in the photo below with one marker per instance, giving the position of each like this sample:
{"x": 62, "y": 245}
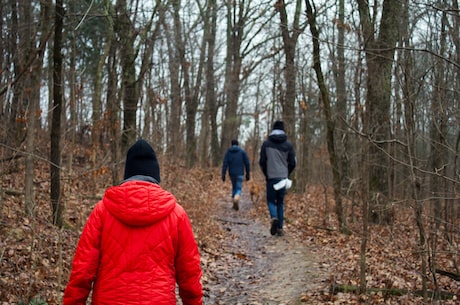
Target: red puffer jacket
{"x": 137, "y": 243}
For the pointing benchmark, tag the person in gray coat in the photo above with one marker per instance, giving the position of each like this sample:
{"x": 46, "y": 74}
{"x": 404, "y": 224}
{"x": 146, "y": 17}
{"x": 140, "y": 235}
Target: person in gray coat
{"x": 277, "y": 161}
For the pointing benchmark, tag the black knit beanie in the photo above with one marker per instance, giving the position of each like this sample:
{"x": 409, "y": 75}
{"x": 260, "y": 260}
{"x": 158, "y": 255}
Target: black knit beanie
{"x": 278, "y": 125}
{"x": 141, "y": 160}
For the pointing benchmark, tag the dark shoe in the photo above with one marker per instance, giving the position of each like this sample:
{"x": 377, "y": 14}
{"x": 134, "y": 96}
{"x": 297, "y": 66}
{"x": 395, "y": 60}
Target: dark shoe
{"x": 274, "y": 227}
{"x": 236, "y": 200}
{"x": 280, "y": 232}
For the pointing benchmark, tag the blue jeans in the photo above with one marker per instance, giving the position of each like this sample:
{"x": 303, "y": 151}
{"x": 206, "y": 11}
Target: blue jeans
{"x": 237, "y": 185}
{"x": 275, "y": 201}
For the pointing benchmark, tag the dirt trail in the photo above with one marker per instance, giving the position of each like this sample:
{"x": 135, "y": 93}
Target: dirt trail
{"x": 253, "y": 267}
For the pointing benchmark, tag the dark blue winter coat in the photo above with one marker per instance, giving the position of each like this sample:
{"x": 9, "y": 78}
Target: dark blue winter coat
{"x": 236, "y": 160}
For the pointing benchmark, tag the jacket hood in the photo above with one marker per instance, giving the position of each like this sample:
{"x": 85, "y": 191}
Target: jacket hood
{"x": 138, "y": 203}
{"x": 234, "y": 148}
{"x": 278, "y": 136}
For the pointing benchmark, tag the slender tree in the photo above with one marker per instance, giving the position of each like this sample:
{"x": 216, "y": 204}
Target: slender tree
{"x": 127, "y": 35}
{"x": 341, "y": 138}
{"x": 113, "y": 112}
{"x": 55, "y": 153}
{"x": 330, "y": 126}
{"x": 176, "y": 48}
{"x": 237, "y": 18}
{"x": 439, "y": 154}
{"x": 412, "y": 159}
{"x": 31, "y": 92}
{"x": 211, "y": 98}
{"x": 290, "y": 39}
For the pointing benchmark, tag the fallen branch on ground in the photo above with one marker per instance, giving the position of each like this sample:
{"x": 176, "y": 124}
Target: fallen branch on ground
{"x": 452, "y": 275}
{"x": 441, "y": 295}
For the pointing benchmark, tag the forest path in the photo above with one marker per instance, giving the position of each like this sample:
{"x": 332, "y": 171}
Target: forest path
{"x": 252, "y": 267}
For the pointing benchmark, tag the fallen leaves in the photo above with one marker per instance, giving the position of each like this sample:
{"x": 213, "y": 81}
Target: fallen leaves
{"x": 35, "y": 257}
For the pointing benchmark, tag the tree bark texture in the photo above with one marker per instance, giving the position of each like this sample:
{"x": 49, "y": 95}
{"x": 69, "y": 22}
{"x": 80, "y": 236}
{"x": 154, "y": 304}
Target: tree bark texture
{"x": 290, "y": 38}
{"x": 236, "y": 22}
{"x": 379, "y": 57}
{"x": 55, "y": 154}
{"x": 127, "y": 36}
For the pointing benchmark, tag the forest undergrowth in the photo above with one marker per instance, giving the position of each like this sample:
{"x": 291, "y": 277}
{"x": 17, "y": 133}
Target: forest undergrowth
{"x": 35, "y": 256}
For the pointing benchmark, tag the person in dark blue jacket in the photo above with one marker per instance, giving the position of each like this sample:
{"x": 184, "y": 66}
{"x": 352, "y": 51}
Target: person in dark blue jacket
{"x": 277, "y": 161}
{"x": 237, "y": 161}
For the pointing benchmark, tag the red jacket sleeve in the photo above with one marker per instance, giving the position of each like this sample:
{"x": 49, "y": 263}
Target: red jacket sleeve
{"x": 86, "y": 260}
{"x": 188, "y": 270}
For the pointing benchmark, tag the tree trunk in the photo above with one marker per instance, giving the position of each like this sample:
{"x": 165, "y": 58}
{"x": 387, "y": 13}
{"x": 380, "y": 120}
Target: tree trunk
{"x": 303, "y": 142}
{"x": 333, "y": 158}
{"x": 30, "y": 61}
{"x": 177, "y": 51}
{"x": 96, "y": 117}
{"x": 365, "y": 221}
{"x": 379, "y": 56}
{"x": 439, "y": 154}
{"x": 236, "y": 22}
{"x": 55, "y": 154}
{"x": 343, "y": 147}
{"x": 409, "y": 115}
{"x": 211, "y": 98}
{"x": 113, "y": 101}
{"x": 16, "y": 121}
{"x": 73, "y": 120}
{"x": 290, "y": 39}
{"x": 127, "y": 36}
{"x": 30, "y": 101}
{"x": 191, "y": 103}
{"x": 451, "y": 227}
{"x": 33, "y": 97}
{"x": 113, "y": 105}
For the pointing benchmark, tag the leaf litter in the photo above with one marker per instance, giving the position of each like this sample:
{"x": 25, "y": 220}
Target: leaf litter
{"x": 242, "y": 263}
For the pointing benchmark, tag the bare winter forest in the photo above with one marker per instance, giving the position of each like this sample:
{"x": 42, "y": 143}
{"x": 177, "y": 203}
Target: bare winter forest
{"x": 369, "y": 93}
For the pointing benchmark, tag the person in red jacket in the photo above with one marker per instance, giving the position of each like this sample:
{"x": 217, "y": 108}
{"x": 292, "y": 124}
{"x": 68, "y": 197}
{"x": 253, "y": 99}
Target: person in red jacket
{"x": 137, "y": 243}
